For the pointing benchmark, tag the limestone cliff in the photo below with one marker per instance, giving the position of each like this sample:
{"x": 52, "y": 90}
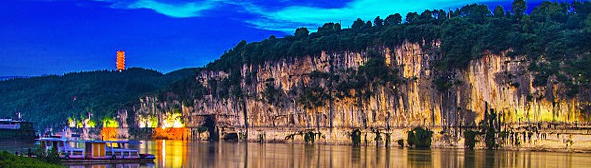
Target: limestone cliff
{"x": 501, "y": 81}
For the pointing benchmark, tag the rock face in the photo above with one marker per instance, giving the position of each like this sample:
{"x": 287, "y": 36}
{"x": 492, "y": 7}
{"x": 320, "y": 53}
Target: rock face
{"x": 503, "y": 82}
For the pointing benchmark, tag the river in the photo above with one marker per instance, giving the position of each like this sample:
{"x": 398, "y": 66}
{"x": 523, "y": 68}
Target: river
{"x": 171, "y": 153}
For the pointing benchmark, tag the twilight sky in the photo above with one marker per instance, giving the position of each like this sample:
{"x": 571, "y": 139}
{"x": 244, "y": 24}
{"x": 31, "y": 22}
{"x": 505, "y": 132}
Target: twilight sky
{"x": 40, "y": 37}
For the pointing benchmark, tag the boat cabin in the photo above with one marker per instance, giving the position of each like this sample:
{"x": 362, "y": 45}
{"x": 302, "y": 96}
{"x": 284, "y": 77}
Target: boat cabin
{"x": 63, "y": 146}
{"x": 110, "y": 149}
{"x": 92, "y": 149}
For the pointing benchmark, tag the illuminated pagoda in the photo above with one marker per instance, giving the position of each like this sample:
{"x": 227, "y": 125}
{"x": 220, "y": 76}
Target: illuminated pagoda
{"x": 120, "y": 60}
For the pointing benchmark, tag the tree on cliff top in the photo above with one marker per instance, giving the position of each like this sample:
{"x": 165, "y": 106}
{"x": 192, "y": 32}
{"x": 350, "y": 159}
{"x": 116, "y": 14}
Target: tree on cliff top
{"x": 358, "y": 24}
{"x": 518, "y": 7}
{"x": 393, "y": 19}
{"x": 301, "y": 32}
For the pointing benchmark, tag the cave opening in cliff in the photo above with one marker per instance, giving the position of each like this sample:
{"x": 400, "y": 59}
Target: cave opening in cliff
{"x": 210, "y": 124}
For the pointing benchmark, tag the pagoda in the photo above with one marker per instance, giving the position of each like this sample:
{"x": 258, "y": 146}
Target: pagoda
{"x": 120, "y": 60}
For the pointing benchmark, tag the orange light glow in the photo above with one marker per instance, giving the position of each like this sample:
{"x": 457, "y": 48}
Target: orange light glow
{"x": 109, "y": 133}
{"x": 172, "y": 120}
{"x": 120, "y": 60}
{"x": 171, "y": 133}
{"x": 171, "y": 153}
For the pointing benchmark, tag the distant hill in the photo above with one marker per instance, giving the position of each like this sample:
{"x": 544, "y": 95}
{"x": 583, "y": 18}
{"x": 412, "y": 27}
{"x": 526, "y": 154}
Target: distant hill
{"x": 75, "y": 94}
{"x": 10, "y": 77}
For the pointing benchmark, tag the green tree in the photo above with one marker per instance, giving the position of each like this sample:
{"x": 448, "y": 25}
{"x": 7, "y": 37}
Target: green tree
{"x": 518, "y": 7}
{"x": 470, "y": 138}
{"x": 458, "y": 42}
{"x": 412, "y": 17}
{"x": 271, "y": 94}
{"x": 419, "y": 137}
{"x": 378, "y": 22}
{"x": 53, "y": 156}
{"x": 328, "y": 28}
{"x": 358, "y": 24}
{"x": 499, "y": 11}
{"x": 550, "y": 11}
{"x": 475, "y": 13}
{"x": 439, "y": 15}
{"x": 367, "y": 25}
{"x": 301, "y": 32}
{"x": 426, "y": 16}
{"x": 393, "y": 19}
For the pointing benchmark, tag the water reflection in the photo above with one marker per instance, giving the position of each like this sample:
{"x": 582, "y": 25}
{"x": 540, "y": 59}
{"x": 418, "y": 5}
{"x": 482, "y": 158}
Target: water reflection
{"x": 134, "y": 165}
{"x": 203, "y": 154}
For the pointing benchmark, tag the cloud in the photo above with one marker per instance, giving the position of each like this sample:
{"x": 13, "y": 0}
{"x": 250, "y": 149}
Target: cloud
{"x": 178, "y": 9}
{"x": 189, "y": 9}
{"x": 298, "y": 16}
{"x": 289, "y": 16}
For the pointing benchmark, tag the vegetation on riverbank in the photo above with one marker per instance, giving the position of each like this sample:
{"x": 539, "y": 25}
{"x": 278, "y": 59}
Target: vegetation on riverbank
{"x": 10, "y": 160}
{"x": 419, "y": 137}
{"x": 490, "y": 127}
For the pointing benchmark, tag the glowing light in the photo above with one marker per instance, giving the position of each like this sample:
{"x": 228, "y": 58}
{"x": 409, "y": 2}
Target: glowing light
{"x": 164, "y": 151}
{"x": 173, "y": 120}
{"x": 109, "y": 133}
{"x": 86, "y": 123}
{"x": 71, "y": 122}
{"x": 172, "y": 153}
{"x": 177, "y": 124}
{"x": 171, "y": 127}
{"x": 147, "y": 122}
{"x": 120, "y": 60}
{"x": 110, "y": 122}
{"x": 141, "y": 123}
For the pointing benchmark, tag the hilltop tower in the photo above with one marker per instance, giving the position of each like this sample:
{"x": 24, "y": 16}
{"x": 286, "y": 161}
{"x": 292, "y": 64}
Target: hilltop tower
{"x": 120, "y": 60}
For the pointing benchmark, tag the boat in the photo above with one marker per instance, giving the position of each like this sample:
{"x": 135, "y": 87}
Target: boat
{"x": 95, "y": 151}
{"x": 16, "y": 129}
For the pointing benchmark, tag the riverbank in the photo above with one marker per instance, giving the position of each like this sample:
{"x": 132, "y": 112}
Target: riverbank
{"x": 518, "y": 137}
{"x": 10, "y": 160}
{"x": 560, "y": 137}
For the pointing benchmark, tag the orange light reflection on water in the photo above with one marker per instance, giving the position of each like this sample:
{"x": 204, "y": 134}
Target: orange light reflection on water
{"x": 169, "y": 153}
{"x": 176, "y": 153}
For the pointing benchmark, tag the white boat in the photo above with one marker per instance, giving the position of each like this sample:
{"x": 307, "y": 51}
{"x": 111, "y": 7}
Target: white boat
{"x": 95, "y": 151}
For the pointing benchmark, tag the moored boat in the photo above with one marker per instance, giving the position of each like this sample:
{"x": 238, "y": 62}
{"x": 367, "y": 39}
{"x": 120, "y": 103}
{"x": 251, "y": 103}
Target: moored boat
{"x": 94, "y": 152}
{"x": 16, "y": 129}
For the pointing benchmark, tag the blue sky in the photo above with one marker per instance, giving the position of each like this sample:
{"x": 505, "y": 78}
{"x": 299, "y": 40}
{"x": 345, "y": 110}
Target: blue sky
{"x": 40, "y": 37}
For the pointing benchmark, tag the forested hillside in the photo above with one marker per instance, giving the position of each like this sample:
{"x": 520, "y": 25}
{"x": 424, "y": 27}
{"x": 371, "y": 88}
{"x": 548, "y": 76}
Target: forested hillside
{"x": 51, "y": 100}
{"x": 557, "y": 36}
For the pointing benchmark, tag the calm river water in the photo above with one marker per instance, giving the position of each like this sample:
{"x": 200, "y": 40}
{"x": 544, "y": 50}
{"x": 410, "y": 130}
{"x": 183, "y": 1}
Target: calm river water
{"x": 203, "y": 154}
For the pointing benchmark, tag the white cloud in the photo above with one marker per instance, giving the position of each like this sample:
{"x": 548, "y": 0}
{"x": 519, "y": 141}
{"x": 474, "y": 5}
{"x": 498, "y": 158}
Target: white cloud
{"x": 188, "y": 9}
{"x": 288, "y": 18}
{"x": 364, "y": 9}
